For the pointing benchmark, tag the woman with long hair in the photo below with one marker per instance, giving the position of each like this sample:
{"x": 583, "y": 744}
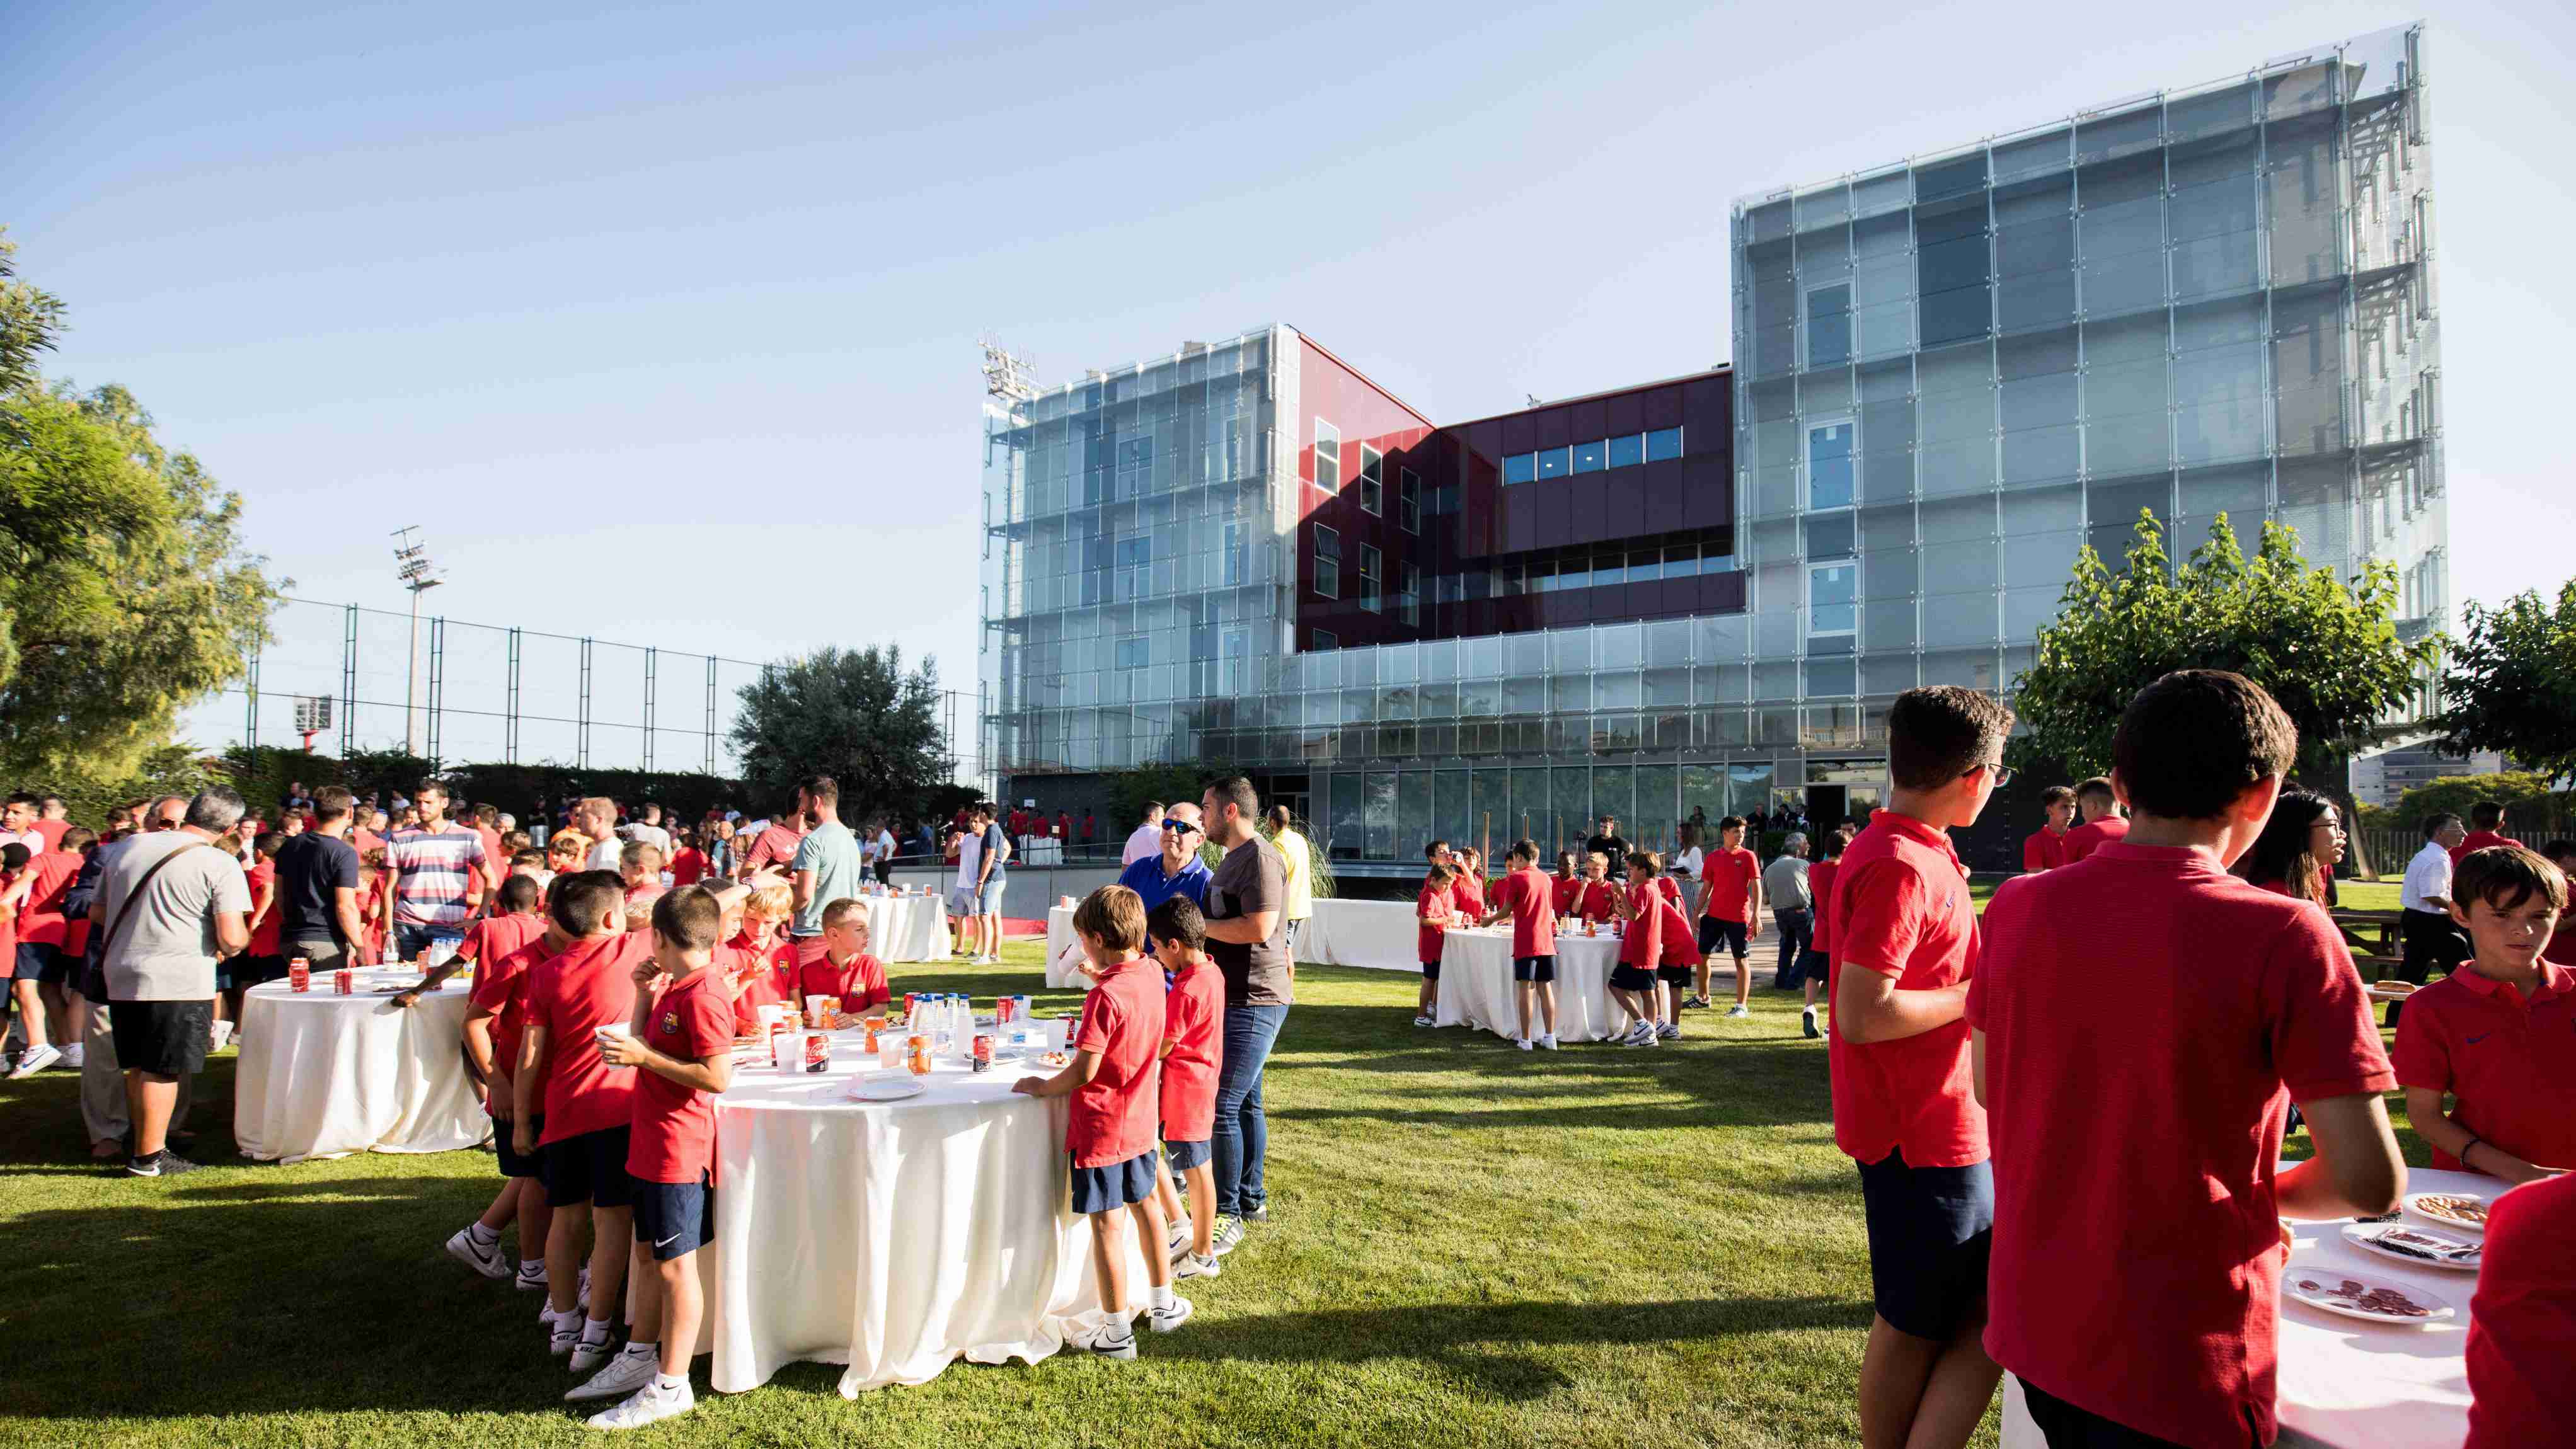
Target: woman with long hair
{"x": 2299, "y": 848}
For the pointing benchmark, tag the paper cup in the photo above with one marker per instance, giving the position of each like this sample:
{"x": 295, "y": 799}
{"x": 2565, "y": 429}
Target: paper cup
{"x": 616, "y": 1032}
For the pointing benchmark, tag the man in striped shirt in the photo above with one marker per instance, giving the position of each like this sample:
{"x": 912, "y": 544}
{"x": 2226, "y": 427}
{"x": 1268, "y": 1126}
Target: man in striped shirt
{"x": 435, "y": 876}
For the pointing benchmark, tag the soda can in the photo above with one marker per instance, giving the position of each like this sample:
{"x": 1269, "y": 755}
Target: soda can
{"x": 983, "y": 1051}
{"x": 918, "y": 1055}
{"x": 299, "y": 975}
{"x": 344, "y": 981}
{"x": 818, "y": 1050}
{"x": 1002, "y": 1011}
{"x": 910, "y": 999}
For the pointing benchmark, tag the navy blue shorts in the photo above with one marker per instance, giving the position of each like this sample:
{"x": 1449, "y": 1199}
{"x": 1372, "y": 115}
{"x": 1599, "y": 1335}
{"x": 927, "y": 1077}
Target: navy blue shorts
{"x": 36, "y": 961}
{"x": 64, "y": 970}
{"x": 1185, "y": 1155}
{"x": 1624, "y": 977}
{"x": 1430, "y": 970}
{"x": 675, "y": 1219}
{"x": 588, "y": 1168}
{"x": 512, "y": 1164}
{"x": 1534, "y": 968}
{"x": 1712, "y": 931}
{"x": 1675, "y": 975}
{"x": 1104, "y": 1189}
{"x": 1929, "y": 1232}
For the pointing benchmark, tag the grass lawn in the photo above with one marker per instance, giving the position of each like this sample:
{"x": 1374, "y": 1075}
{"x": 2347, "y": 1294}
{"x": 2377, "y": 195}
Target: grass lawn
{"x": 1470, "y": 1246}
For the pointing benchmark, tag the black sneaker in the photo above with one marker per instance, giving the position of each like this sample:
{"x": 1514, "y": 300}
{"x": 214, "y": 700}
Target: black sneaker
{"x": 164, "y": 1163}
{"x": 1258, "y": 1212}
{"x": 1808, "y": 1025}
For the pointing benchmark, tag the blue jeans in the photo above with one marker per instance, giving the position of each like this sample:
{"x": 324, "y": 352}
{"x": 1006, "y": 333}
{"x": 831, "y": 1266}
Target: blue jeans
{"x": 411, "y": 943}
{"x": 1242, "y": 1135}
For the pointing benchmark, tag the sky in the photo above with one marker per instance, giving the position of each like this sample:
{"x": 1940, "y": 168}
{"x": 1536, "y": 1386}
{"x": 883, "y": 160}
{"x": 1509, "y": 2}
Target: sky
{"x": 661, "y": 322}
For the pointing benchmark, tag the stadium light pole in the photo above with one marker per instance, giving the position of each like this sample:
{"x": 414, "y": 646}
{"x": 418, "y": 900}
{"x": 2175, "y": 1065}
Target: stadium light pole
{"x": 412, "y": 566}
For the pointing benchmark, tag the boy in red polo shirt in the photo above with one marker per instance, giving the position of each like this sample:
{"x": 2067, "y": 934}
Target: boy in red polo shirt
{"x": 1193, "y": 1049}
{"x": 495, "y": 1023}
{"x": 1436, "y": 906}
{"x": 1110, "y": 1132}
{"x": 1820, "y": 947}
{"x": 1904, "y": 946}
{"x": 680, "y": 1043}
{"x": 491, "y": 941}
{"x": 2495, "y": 1033}
{"x": 1730, "y": 901}
{"x": 2522, "y": 1321}
{"x": 2103, "y": 823}
{"x": 2562, "y": 944}
{"x": 2486, "y": 829}
{"x": 2045, "y": 849}
{"x": 2137, "y": 1245}
{"x": 571, "y": 1101}
{"x": 846, "y": 970}
{"x": 1529, "y": 899}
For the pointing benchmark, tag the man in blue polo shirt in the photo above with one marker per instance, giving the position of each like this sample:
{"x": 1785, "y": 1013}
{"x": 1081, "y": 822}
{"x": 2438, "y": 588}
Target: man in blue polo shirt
{"x": 1176, "y": 871}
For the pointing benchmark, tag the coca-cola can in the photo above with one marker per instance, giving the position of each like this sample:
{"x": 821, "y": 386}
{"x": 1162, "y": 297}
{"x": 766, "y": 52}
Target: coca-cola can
{"x": 344, "y": 981}
{"x": 299, "y": 975}
{"x": 983, "y": 1052}
{"x": 909, "y": 999}
{"x": 818, "y": 1050}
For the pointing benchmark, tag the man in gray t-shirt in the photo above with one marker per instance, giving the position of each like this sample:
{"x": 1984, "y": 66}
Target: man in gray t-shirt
{"x": 827, "y": 866}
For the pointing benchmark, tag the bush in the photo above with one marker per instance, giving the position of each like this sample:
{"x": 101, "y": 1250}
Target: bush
{"x": 2525, "y": 796}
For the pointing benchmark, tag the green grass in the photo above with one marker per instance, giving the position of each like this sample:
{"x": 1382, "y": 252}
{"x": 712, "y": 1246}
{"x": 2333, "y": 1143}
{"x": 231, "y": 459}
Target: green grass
{"x": 1470, "y": 1247}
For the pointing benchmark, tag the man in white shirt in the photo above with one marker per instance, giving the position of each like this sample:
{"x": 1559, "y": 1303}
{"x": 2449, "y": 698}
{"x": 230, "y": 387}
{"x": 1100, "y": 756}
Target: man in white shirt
{"x": 1146, "y": 840}
{"x": 596, "y": 817}
{"x": 2426, "y": 933}
{"x": 648, "y": 829}
{"x": 885, "y": 854}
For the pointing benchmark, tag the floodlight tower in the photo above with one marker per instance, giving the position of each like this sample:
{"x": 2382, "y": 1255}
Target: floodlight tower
{"x": 412, "y": 566}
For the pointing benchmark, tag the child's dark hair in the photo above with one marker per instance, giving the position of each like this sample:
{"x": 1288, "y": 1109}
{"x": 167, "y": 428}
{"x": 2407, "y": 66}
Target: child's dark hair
{"x": 688, "y": 917}
{"x": 1938, "y": 733}
{"x": 1835, "y": 841}
{"x": 1438, "y": 875}
{"x": 2097, "y": 788}
{"x": 2556, "y": 850}
{"x": 2195, "y": 740}
{"x": 1525, "y": 850}
{"x": 2439, "y": 821}
{"x": 2505, "y": 876}
{"x": 1647, "y": 861}
{"x": 582, "y": 896}
{"x": 518, "y": 894}
{"x": 2486, "y": 815}
{"x": 1178, "y": 919}
{"x": 1432, "y": 851}
{"x": 2055, "y": 793}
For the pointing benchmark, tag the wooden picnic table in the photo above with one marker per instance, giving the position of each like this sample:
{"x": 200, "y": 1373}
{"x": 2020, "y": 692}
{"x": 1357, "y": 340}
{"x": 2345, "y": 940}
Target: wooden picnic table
{"x": 2373, "y": 937}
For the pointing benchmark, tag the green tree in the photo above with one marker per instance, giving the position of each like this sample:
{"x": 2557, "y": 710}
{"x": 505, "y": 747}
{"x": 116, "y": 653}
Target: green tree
{"x": 2511, "y": 685}
{"x": 2525, "y": 795}
{"x": 124, "y": 595}
{"x": 2328, "y": 650}
{"x": 855, "y": 714}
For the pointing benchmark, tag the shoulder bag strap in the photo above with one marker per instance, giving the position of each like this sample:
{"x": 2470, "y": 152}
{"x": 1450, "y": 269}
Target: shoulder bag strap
{"x": 107, "y": 938}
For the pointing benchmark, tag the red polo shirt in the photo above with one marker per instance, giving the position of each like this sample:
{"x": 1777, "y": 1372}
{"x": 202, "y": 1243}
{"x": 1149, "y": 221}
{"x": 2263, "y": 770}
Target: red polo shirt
{"x": 1591, "y": 901}
{"x": 2045, "y": 849}
{"x": 1901, "y": 909}
{"x": 41, "y": 921}
{"x": 1469, "y": 892}
{"x": 776, "y": 846}
{"x": 2139, "y": 1072}
{"x": 592, "y": 984}
{"x": 1194, "y": 1029}
{"x": 2506, "y": 1059}
{"x": 53, "y": 832}
{"x": 2522, "y": 1320}
{"x": 860, "y": 982}
{"x": 1113, "y": 1116}
{"x": 1560, "y": 892}
{"x": 501, "y": 988}
{"x": 1729, "y": 876}
{"x": 490, "y": 938}
{"x": 1432, "y": 905}
{"x": 675, "y": 1126}
{"x": 2474, "y": 840}
{"x": 1820, "y": 884}
{"x": 2083, "y": 840}
{"x": 1530, "y": 897}
{"x": 688, "y": 866}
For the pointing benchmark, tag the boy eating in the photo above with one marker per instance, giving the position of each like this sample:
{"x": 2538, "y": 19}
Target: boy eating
{"x": 680, "y": 1039}
{"x": 489, "y": 941}
{"x": 1110, "y": 1132}
{"x": 846, "y": 970}
{"x": 1193, "y": 1048}
{"x": 2495, "y": 1033}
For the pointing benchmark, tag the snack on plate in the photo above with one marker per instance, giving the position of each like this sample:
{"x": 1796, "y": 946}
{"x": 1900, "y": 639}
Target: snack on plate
{"x": 2451, "y": 1208}
{"x": 1054, "y": 1059}
{"x": 2432, "y": 1247}
{"x": 2353, "y": 1293}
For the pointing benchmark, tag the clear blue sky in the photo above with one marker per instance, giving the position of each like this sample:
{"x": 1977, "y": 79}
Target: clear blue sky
{"x": 703, "y": 284}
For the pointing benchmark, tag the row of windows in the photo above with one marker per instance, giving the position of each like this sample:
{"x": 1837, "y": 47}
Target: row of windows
{"x": 1623, "y": 451}
{"x": 1598, "y": 570}
{"x": 1372, "y": 478}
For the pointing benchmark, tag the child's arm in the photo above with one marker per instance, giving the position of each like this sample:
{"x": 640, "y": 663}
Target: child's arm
{"x": 478, "y": 1051}
{"x": 1064, "y": 1083}
{"x": 523, "y": 1089}
{"x": 711, "y": 1073}
{"x": 2424, "y": 1111}
{"x": 650, "y": 978}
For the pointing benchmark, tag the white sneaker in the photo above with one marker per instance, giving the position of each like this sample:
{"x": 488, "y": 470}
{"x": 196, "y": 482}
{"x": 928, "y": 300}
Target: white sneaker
{"x": 490, "y": 1262}
{"x": 1525, "y": 1044}
{"x": 1547, "y": 1043}
{"x": 1112, "y": 1339}
{"x": 1651, "y": 1038}
{"x": 625, "y": 1374}
{"x": 1165, "y": 1320}
{"x": 532, "y": 1276}
{"x": 648, "y": 1405}
{"x": 75, "y": 1056}
{"x": 1739, "y": 1009}
{"x": 589, "y": 1353}
{"x": 1191, "y": 1265}
{"x": 1422, "y": 1021}
{"x": 564, "y": 1333}
{"x": 223, "y": 1034}
{"x": 581, "y": 1290}
{"x": 1669, "y": 1031}
{"x": 35, "y": 1060}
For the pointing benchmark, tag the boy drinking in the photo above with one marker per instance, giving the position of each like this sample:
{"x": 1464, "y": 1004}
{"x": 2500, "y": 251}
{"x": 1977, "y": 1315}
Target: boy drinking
{"x": 2495, "y": 1033}
{"x": 1193, "y": 1049}
{"x": 681, "y": 1040}
{"x": 1110, "y": 1133}
{"x": 2232, "y": 1002}
{"x": 846, "y": 970}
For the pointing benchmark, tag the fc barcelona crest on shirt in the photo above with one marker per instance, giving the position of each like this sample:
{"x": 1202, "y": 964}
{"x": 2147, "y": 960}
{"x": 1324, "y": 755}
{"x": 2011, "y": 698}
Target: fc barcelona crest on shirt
{"x": 670, "y": 1023}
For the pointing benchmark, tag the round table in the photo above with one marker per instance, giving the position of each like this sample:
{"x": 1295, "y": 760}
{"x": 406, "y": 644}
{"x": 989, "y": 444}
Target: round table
{"x": 2347, "y": 1383}
{"x": 1476, "y": 986}
{"x": 893, "y": 1237}
{"x": 325, "y": 1075}
{"x": 907, "y": 927}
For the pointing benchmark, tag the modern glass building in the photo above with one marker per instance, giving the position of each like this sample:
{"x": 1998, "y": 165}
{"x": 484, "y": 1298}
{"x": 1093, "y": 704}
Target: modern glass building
{"x": 1699, "y": 595}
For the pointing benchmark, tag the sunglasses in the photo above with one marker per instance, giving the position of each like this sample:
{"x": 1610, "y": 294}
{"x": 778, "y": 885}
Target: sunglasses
{"x": 1186, "y": 827}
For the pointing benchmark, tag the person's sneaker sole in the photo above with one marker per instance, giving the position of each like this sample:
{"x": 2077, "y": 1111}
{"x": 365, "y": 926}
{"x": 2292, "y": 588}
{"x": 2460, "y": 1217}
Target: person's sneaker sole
{"x": 1118, "y": 1348}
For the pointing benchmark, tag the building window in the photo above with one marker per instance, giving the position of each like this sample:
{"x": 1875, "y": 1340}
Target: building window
{"x": 1234, "y": 678}
{"x": 1372, "y": 481}
{"x": 1233, "y": 561}
{"x": 1408, "y": 500}
{"x": 1833, "y": 598}
{"x": 1328, "y": 563}
{"x": 1590, "y": 457}
{"x": 1629, "y": 451}
{"x": 1663, "y": 443}
{"x": 1829, "y": 464}
{"x": 1520, "y": 468}
{"x": 1408, "y": 601}
{"x": 1131, "y": 652}
{"x": 1829, "y": 330}
{"x": 1328, "y": 457}
{"x": 1326, "y": 639}
{"x": 1829, "y": 535}
{"x": 1135, "y": 556}
{"x": 1370, "y": 573}
{"x": 1555, "y": 462}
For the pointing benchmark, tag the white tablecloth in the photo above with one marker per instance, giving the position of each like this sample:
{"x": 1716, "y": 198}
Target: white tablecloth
{"x": 907, "y": 928}
{"x": 325, "y": 1075}
{"x": 1476, "y": 987}
{"x": 2350, "y": 1384}
{"x": 1063, "y": 952}
{"x": 1375, "y": 934}
{"x": 893, "y": 1237}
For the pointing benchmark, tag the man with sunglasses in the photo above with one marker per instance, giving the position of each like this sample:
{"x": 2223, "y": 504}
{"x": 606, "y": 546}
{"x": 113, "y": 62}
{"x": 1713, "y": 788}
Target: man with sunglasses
{"x": 1176, "y": 869}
